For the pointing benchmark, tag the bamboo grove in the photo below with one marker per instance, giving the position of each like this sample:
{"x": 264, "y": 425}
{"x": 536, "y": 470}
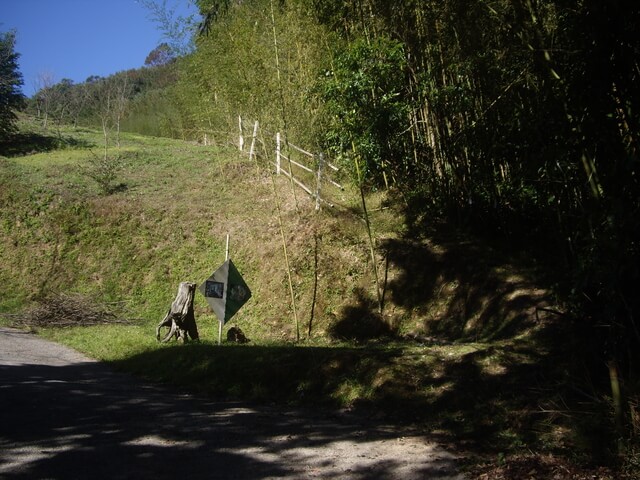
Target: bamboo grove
{"x": 515, "y": 119}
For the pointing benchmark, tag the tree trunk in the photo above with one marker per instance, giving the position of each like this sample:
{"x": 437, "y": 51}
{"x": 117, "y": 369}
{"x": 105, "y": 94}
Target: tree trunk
{"x": 180, "y": 319}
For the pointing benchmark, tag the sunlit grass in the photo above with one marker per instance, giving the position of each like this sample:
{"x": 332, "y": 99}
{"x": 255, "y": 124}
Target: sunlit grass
{"x": 108, "y": 342}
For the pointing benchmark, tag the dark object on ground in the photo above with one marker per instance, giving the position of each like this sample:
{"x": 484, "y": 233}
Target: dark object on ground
{"x": 180, "y": 319}
{"x": 234, "y": 334}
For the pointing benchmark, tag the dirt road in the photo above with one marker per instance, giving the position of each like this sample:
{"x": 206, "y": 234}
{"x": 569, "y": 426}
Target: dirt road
{"x": 65, "y": 416}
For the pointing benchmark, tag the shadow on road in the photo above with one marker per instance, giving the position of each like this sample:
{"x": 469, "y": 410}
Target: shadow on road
{"x": 84, "y": 421}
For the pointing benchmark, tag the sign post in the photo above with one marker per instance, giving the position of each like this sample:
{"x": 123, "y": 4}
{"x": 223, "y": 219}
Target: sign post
{"x": 225, "y": 291}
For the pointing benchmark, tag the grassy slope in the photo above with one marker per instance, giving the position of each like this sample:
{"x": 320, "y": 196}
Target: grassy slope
{"x": 478, "y": 368}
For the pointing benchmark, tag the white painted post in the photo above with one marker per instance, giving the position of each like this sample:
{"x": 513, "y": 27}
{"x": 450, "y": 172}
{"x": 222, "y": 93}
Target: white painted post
{"x": 278, "y": 153}
{"x": 226, "y": 257}
{"x": 253, "y": 140}
{"x": 319, "y": 179}
{"x": 241, "y": 140}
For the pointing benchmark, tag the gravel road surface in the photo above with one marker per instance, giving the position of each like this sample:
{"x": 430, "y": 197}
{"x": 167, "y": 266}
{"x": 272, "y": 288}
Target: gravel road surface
{"x": 65, "y": 416}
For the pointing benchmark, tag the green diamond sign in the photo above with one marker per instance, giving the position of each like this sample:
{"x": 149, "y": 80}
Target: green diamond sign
{"x": 225, "y": 291}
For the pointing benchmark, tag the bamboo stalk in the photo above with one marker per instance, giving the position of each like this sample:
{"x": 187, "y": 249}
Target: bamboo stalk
{"x": 616, "y": 397}
{"x": 368, "y": 225}
{"x": 278, "y": 153}
{"x": 319, "y": 180}
{"x": 286, "y": 254}
{"x": 252, "y": 152}
{"x": 281, "y": 91}
{"x": 315, "y": 284}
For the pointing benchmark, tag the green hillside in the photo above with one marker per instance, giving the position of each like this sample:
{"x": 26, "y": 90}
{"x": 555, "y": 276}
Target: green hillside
{"x": 166, "y": 218}
{"x": 166, "y": 221}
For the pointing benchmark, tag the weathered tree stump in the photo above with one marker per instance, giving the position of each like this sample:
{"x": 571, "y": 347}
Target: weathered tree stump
{"x": 180, "y": 319}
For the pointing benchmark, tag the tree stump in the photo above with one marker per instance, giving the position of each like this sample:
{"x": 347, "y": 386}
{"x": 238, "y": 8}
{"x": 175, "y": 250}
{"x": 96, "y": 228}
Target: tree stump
{"x": 180, "y": 319}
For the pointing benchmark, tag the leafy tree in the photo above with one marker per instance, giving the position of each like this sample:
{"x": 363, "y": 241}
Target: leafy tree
{"x": 366, "y": 96}
{"x": 11, "y": 97}
{"x": 92, "y": 79}
{"x": 178, "y": 30}
{"x": 161, "y": 55}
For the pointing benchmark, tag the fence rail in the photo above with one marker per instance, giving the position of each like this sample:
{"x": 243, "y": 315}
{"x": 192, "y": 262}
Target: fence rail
{"x": 317, "y": 169}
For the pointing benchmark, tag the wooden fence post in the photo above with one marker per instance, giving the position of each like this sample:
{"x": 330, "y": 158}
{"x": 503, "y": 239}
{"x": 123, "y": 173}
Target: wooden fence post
{"x": 253, "y": 140}
{"x": 319, "y": 179}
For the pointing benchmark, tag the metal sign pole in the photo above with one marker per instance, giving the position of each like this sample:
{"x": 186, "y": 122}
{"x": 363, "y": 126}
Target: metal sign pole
{"x": 221, "y": 322}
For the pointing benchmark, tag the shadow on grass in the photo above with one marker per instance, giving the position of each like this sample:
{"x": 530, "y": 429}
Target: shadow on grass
{"x": 83, "y": 421}
{"x": 284, "y": 374}
{"x": 462, "y": 290}
{"x": 22, "y": 144}
{"x": 498, "y": 366}
{"x": 484, "y": 397}
{"x": 361, "y": 322}
{"x": 454, "y": 287}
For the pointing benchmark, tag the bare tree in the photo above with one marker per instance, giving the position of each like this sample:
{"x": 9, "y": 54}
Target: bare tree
{"x": 42, "y": 84}
{"x": 105, "y": 103}
{"x": 122, "y": 94}
{"x": 178, "y": 30}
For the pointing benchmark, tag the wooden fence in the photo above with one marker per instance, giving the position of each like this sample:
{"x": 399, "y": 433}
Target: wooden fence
{"x": 318, "y": 169}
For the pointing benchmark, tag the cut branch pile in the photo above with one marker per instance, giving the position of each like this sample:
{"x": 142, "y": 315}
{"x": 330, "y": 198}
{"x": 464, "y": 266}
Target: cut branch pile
{"x": 67, "y": 310}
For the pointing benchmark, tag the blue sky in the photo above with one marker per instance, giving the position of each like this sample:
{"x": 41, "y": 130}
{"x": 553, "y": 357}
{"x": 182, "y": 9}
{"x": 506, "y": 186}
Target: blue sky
{"x": 75, "y": 39}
